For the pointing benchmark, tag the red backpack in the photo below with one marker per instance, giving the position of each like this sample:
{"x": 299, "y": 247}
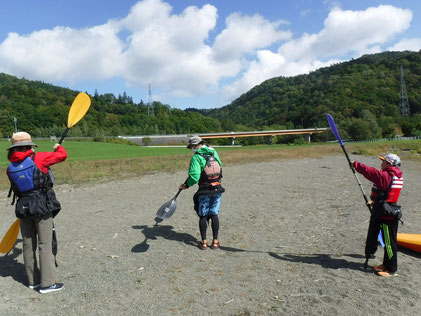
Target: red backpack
{"x": 211, "y": 174}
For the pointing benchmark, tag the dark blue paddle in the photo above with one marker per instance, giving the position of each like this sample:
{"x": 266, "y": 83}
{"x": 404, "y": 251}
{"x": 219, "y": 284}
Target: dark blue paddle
{"x": 338, "y": 137}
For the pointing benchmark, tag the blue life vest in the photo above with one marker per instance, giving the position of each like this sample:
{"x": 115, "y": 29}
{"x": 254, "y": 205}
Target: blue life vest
{"x": 33, "y": 188}
{"x": 21, "y": 174}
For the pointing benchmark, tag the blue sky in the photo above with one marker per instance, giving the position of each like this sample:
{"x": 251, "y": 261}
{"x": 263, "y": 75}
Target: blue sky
{"x": 201, "y": 54}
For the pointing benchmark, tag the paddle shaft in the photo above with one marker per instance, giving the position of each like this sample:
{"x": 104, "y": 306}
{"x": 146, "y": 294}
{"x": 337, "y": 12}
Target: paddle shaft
{"x": 356, "y": 177}
{"x": 64, "y": 135}
{"x": 338, "y": 137}
{"x": 175, "y": 197}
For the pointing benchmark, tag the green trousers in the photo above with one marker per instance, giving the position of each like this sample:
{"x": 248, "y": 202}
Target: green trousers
{"x": 38, "y": 233}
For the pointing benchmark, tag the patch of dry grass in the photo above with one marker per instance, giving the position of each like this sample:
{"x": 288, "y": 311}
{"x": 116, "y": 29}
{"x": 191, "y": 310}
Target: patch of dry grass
{"x": 75, "y": 172}
{"x": 268, "y": 154}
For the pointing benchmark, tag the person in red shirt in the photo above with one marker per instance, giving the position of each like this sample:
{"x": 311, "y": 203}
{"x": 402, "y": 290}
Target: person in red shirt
{"x": 32, "y": 183}
{"x": 387, "y": 185}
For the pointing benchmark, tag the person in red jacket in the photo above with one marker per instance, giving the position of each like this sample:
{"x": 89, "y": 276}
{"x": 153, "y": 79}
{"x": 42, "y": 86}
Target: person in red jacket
{"x": 387, "y": 185}
{"x": 32, "y": 183}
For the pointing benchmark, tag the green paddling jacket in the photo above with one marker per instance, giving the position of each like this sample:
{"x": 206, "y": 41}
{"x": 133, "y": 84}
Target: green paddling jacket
{"x": 198, "y": 163}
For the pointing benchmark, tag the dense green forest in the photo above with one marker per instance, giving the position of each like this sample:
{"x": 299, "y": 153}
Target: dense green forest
{"x": 41, "y": 109}
{"x": 362, "y": 95}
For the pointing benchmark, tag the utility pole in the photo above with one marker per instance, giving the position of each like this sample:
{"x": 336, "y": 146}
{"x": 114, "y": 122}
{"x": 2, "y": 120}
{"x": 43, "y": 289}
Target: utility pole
{"x": 16, "y": 124}
{"x": 150, "y": 103}
{"x": 403, "y": 101}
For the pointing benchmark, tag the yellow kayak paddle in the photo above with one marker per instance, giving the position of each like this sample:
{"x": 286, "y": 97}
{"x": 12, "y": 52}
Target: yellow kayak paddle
{"x": 9, "y": 239}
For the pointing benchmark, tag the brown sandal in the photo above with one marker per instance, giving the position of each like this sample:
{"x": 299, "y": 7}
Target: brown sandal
{"x": 203, "y": 245}
{"x": 215, "y": 244}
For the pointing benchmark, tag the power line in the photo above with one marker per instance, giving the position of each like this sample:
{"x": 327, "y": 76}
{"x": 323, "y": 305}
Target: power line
{"x": 403, "y": 101}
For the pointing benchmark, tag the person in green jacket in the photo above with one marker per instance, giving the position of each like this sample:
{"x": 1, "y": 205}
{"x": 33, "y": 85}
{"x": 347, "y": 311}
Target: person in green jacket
{"x": 205, "y": 169}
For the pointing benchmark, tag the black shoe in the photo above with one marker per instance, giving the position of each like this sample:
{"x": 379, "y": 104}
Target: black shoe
{"x": 53, "y": 288}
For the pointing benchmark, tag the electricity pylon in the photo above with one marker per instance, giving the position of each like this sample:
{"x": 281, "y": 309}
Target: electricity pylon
{"x": 403, "y": 101}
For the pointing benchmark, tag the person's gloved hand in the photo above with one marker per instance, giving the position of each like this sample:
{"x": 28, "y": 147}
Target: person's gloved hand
{"x": 183, "y": 187}
{"x": 56, "y": 146}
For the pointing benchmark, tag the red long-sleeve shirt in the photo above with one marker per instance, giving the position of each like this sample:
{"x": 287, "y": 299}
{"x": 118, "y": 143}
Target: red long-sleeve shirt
{"x": 43, "y": 160}
{"x": 381, "y": 178}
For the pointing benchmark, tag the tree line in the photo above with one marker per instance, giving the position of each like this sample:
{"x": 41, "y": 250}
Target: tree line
{"x": 362, "y": 95}
{"x": 41, "y": 109}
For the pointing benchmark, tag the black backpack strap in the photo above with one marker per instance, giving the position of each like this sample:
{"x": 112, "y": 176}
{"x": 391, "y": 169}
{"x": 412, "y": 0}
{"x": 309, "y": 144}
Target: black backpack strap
{"x": 54, "y": 245}
{"x": 10, "y": 194}
{"x": 206, "y": 156}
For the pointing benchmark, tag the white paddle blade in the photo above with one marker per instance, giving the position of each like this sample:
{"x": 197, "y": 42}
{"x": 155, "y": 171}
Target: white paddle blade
{"x": 167, "y": 209}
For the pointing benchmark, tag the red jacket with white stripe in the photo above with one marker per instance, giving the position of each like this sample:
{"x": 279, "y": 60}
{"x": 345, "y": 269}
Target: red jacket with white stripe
{"x": 390, "y": 177}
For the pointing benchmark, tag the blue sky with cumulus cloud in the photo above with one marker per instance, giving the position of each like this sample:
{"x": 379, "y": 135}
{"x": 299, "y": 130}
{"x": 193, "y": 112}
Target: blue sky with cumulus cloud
{"x": 201, "y": 54}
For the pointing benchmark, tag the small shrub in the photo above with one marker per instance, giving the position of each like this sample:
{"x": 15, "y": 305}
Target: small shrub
{"x": 146, "y": 141}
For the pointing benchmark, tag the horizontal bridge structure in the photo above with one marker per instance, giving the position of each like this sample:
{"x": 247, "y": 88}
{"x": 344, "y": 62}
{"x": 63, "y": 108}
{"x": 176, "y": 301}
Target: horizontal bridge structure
{"x": 232, "y": 135}
{"x": 184, "y": 138}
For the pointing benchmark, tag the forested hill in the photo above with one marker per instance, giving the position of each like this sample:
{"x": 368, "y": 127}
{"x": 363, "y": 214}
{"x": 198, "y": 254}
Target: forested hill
{"x": 362, "y": 95}
{"x": 41, "y": 109}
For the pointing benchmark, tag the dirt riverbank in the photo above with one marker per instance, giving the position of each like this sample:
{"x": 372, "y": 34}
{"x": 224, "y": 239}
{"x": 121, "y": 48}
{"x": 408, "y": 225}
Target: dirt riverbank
{"x": 292, "y": 243}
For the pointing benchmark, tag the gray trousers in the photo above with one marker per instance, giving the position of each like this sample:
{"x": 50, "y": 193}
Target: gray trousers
{"x": 38, "y": 232}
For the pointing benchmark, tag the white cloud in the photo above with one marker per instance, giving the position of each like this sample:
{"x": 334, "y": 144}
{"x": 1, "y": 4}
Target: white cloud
{"x": 269, "y": 65}
{"x": 413, "y": 44}
{"x": 169, "y": 50}
{"x": 245, "y": 34}
{"x": 305, "y": 12}
{"x": 175, "y": 54}
{"x": 349, "y": 31}
{"x": 345, "y": 32}
{"x": 63, "y": 54}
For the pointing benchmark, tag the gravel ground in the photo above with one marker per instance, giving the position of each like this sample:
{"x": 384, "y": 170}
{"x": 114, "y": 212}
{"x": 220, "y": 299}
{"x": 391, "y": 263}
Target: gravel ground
{"x": 292, "y": 243}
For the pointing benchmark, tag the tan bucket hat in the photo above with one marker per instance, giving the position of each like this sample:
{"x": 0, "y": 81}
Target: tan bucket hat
{"x": 195, "y": 140}
{"x": 21, "y": 139}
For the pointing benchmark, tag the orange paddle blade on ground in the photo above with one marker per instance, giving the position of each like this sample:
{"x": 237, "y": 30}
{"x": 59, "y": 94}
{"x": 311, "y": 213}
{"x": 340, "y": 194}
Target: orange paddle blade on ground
{"x": 9, "y": 239}
{"x": 78, "y": 109}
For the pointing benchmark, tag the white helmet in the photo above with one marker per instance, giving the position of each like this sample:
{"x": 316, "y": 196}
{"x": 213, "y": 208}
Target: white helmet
{"x": 393, "y": 159}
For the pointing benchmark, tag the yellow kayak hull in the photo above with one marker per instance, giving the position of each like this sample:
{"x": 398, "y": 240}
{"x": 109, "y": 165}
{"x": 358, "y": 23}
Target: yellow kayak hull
{"x": 410, "y": 241}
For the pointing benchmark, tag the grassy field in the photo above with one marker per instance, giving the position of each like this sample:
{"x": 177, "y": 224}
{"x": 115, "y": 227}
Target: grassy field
{"x": 95, "y": 161}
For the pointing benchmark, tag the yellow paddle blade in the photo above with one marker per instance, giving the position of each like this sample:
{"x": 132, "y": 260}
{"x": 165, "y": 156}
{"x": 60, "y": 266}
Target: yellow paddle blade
{"x": 9, "y": 239}
{"x": 78, "y": 109}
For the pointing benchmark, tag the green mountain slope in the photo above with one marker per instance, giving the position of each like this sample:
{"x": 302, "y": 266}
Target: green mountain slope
{"x": 41, "y": 109}
{"x": 362, "y": 95}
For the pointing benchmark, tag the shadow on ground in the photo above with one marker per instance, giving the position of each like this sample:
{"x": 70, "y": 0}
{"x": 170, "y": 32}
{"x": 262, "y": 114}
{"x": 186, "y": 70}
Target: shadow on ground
{"x": 324, "y": 260}
{"x": 166, "y": 232}
{"x": 10, "y": 267}
{"x": 409, "y": 252}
